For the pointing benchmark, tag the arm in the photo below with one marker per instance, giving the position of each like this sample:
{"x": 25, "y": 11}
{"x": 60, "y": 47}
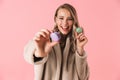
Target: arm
{"x": 29, "y": 51}
{"x": 40, "y": 46}
{"x": 81, "y": 57}
{"x": 82, "y": 66}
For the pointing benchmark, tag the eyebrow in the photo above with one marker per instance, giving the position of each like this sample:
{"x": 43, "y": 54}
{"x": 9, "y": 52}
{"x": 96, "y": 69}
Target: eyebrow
{"x": 63, "y": 16}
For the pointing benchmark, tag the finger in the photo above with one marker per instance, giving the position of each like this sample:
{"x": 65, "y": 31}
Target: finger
{"x": 41, "y": 34}
{"x": 39, "y": 38}
{"x": 46, "y": 31}
{"x": 78, "y": 36}
{"x": 53, "y": 43}
{"x": 36, "y": 38}
{"x": 84, "y": 39}
{"x": 82, "y": 36}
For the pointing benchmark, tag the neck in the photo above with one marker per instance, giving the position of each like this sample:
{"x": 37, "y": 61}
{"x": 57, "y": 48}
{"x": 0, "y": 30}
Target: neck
{"x": 63, "y": 37}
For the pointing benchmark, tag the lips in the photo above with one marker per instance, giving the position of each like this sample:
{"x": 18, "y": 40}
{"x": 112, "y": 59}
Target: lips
{"x": 65, "y": 28}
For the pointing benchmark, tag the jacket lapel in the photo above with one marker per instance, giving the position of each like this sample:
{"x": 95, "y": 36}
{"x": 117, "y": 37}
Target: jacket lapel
{"x": 59, "y": 61}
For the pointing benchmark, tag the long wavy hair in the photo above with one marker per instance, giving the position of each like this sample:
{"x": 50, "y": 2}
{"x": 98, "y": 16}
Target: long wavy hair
{"x": 73, "y": 13}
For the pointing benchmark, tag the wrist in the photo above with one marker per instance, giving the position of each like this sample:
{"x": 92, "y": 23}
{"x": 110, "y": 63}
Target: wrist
{"x": 37, "y": 53}
{"x": 80, "y": 51}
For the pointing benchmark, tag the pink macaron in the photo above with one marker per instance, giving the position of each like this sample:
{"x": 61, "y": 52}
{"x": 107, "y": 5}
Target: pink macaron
{"x": 55, "y": 36}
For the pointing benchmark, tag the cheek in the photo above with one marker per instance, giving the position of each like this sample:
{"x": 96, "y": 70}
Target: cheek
{"x": 71, "y": 24}
{"x": 58, "y": 22}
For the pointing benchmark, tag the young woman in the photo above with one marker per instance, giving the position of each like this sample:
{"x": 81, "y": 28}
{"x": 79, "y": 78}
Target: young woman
{"x": 59, "y": 60}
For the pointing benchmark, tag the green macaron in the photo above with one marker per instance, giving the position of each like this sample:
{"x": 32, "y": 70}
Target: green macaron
{"x": 78, "y": 30}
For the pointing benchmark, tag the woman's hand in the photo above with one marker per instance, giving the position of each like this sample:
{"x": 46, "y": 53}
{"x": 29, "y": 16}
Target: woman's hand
{"x": 42, "y": 43}
{"x": 81, "y": 41}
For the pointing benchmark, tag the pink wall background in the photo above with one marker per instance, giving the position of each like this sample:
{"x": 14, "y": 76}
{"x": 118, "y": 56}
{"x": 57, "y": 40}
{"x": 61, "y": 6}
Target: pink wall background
{"x": 21, "y": 19}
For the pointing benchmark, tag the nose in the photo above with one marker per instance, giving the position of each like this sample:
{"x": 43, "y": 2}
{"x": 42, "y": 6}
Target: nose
{"x": 64, "y": 23}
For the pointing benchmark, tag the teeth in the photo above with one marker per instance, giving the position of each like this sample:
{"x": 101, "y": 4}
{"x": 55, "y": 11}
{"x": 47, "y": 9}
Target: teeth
{"x": 65, "y": 27}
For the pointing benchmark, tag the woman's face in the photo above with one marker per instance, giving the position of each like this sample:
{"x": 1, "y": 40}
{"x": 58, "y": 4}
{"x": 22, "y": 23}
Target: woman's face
{"x": 64, "y": 21}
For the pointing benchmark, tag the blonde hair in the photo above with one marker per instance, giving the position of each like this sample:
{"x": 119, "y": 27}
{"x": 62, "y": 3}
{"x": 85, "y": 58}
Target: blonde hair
{"x": 73, "y": 13}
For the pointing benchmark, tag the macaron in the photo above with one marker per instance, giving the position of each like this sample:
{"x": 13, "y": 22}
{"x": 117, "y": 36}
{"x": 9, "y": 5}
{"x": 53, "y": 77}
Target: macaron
{"x": 79, "y": 30}
{"x": 55, "y": 36}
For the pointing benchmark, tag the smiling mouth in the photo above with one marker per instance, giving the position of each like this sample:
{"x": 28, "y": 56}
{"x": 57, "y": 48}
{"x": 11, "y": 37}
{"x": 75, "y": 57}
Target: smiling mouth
{"x": 65, "y": 28}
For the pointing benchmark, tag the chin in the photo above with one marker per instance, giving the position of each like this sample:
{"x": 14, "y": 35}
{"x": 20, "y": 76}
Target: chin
{"x": 64, "y": 33}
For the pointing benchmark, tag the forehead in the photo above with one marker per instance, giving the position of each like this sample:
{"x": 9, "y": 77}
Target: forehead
{"x": 64, "y": 13}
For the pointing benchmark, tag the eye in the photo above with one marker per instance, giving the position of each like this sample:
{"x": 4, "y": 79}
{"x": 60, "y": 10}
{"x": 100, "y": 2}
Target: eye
{"x": 61, "y": 18}
{"x": 70, "y": 18}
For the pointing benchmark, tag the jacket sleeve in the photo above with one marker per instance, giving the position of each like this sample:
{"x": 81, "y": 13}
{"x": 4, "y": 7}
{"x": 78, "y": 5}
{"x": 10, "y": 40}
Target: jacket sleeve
{"x": 82, "y": 66}
{"x": 29, "y": 51}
